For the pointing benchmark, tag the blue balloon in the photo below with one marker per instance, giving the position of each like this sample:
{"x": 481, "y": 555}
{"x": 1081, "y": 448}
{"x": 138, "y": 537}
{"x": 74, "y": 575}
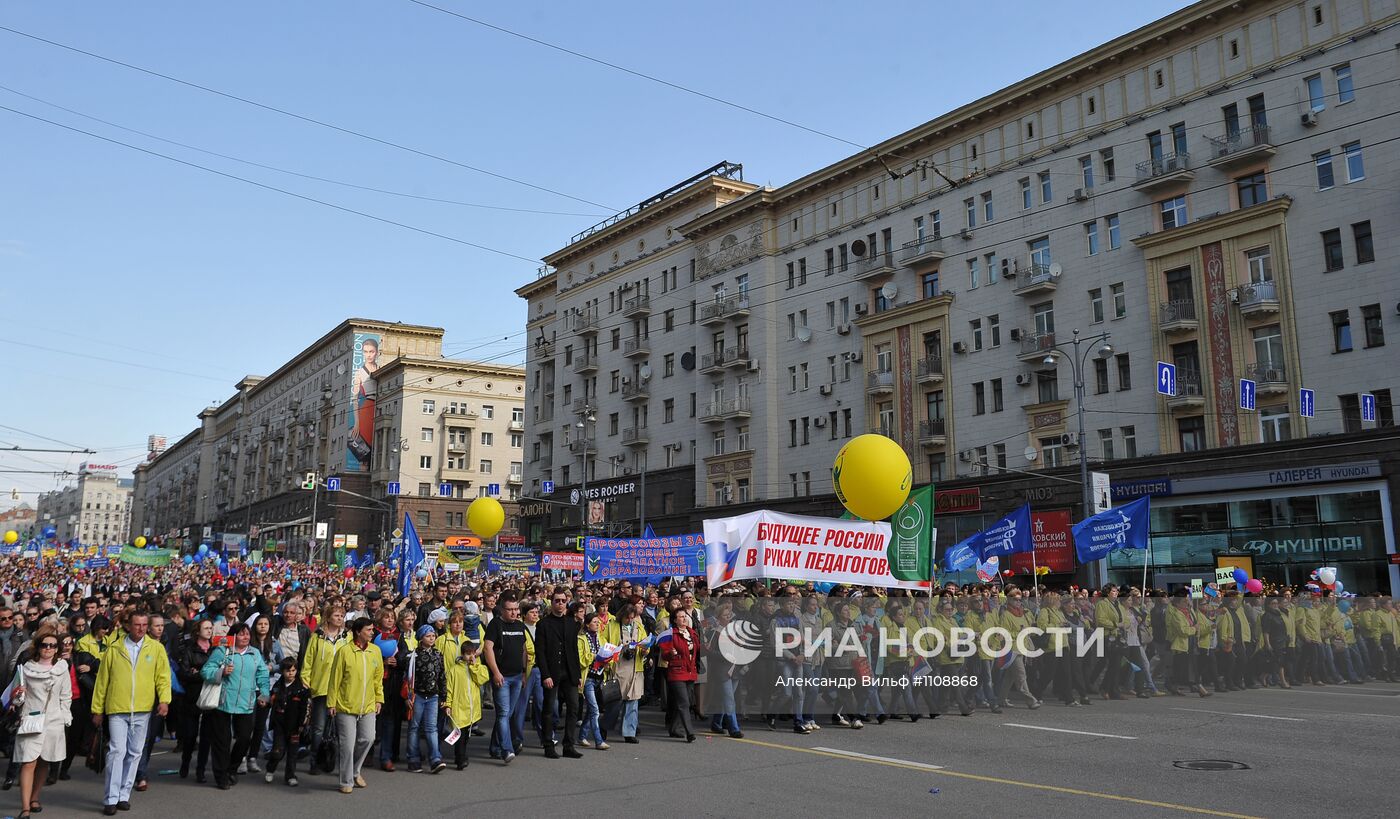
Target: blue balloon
{"x": 204, "y": 548}
{"x": 296, "y": 584}
{"x": 422, "y": 572}
{"x": 188, "y": 559}
{"x": 1241, "y": 577}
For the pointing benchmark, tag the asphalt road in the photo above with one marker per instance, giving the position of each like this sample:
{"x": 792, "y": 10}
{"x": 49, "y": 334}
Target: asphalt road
{"x": 1310, "y": 750}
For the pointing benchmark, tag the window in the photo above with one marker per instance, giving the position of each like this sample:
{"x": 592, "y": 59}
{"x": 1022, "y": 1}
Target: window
{"x": 668, "y": 410}
{"x": 717, "y": 442}
{"x": 997, "y": 403}
{"x": 1173, "y": 212}
{"x": 616, "y": 338}
{"x": 1051, "y": 452}
{"x": 972, "y": 274}
{"x": 1086, "y": 171}
{"x": 1315, "y": 94}
{"x": 488, "y": 438}
{"x": 882, "y": 304}
{"x": 994, "y": 329}
{"x": 485, "y": 467}
{"x": 1158, "y": 78}
{"x": 1274, "y": 424}
{"x": 1044, "y": 317}
{"x": 1365, "y": 249}
{"x": 804, "y": 375}
{"x": 1341, "y": 331}
{"x": 1323, "y": 161}
{"x": 1371, "y": 322}
{"x": 425, "y": 462}
{"x": 1026, "y": 200}
{"x": 1268, "y": 346}
{"x": 991, "y": 260}
{"x": 1385, "y": 410}
{"x": 1040, "y": 251}
{"x": 1260, "y": 266}
{"x": 424, "y": 517}
{"x": 1106, "y": 157}
{"x": 429, "y": 406}
{"x": 1351, "y": 412}
{"x": 1125, "y": 372}
{"x": 1090, "y": 103}
{"x": 1091, "y": 238}
{"x": 792, "y": 432}
{"x": 935, "y": 223}
{"x": 1045, "y": 193}
{"x": 1345, "y": 91}
{"x": 1096, "y": 305}
{"x": 1100, "y": 376}
{"x": 987, "y": 213}
{"x": 1317, "y": 15}
{"x": 976, "y": 325}
{"x": 426, "y": 435}
{"x": 517, "y": 440}
{"x": 616, "y": 380}
{"x": 1120, "y": 300}
{"x": 979, "y": 399}
{"x": 488, "y": 411}
{"x": 1332, "y": 249}
{"x": 930, "y": 283}
{"x": 668, "y": 365}
{"x": 1355, "y": 168}
{"x": 612, "y": 423}
{"x": 1047, "y": 387}
{"x": 1129, "y": 434}
{"x": 1234, "y": 49}
{"x": 1114, "y": 234}
{"x": 971, "y": 206}
{"x": 743, "y": 438}
{"x": 1191, "y": 433}
{"x": 1030, "y": 130}
{"x": 1253, "y": 190}
{"x": 1106, "y": 443}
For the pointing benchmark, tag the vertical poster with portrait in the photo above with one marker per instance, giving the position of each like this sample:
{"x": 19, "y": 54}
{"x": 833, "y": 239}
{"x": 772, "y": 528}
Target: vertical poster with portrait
{"x": 364, "y": 365}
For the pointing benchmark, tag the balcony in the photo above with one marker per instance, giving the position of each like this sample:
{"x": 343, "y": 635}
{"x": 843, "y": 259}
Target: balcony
{"x": 1159, "y": 173}
{"x": 580, "y": 406}
{"x": 635, "y": 391}
{"x": 930, "y": 370}
{"x": 880, "y": 382}
{"x": 886, "y": 430}
{"x": 1178, "y": 316}
{"x": 636, "y": 307}
{"x": 636, "y": 347}
{"x": 1241, "y": 147}
{"x": 633, "y": 436}
{"x": 455, "y": 473}
{"x": 736, "y": 357}
{"x": 516, "y": 426}
{"x": 1269, "y": 378}
{"x": 516, "y": 478}
{"x": 585, "y": 363}
{"x": 460, "y": 413}
{"x": 545, "y": 460}
{"x": 921, "y": 251}
{"x": 1189, "y": 394}
{"x": 1038, "y": 279}
{"x": 1258, "y": 299}
{"x": 712, "y": 413}
{"x": 578, "y": 447}
{"x": 737, "y": 408}
{"x": 544, "y": 349}
{"x": 1035, "y": 347}
{"x": 714, "y": 313}
{"x": 584, "y": 324}
{"x": 544, "y": 413}
{"x": 933, "y": 433}
{"x": 458, "y": 446}
{"x": 873, "y": 266}
{"x": 712, "y": 362}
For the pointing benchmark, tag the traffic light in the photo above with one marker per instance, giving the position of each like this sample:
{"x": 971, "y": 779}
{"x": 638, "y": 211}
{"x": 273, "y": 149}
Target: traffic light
{"x": 310, "y": 481}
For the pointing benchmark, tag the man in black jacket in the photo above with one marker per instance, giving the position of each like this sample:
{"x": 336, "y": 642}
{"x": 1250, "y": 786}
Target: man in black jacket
{"x": 556, "y": 653}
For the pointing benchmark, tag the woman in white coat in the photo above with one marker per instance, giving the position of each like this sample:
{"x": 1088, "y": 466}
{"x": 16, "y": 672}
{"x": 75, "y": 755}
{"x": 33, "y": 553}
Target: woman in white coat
{"x": 46, "y": 685}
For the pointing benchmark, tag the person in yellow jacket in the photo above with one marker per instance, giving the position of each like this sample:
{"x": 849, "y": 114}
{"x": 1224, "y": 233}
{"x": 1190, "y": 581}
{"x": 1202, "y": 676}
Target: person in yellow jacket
{"x": 132, "y": 679}
{"x": 316, "y": 675}
{"x": 1307, "y": 622}
{"x": 1388, "y": 635}
{"x": 979, "y": 665}
{"x": 466, "y": 673}
{"x": 356, "y": 694}
{"x": 944, "y": 622}
{"x": 1184, "y": 626}
{"x": 1108, "y": 615}
{"x": 1015, "y": 618}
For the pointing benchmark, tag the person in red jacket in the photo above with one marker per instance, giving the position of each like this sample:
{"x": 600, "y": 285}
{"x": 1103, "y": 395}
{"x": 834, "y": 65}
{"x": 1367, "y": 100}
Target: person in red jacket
{"x": 683, "y": 654}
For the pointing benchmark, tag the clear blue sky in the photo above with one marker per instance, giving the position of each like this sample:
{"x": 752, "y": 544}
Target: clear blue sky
{"x": 117, "y": 258}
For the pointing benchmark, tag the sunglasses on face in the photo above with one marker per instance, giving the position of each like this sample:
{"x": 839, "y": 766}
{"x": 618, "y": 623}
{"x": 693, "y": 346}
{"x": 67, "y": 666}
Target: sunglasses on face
{"x": 48, "y": 645}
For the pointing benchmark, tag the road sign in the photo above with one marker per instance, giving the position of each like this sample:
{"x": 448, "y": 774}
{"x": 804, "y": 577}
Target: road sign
{"x": 397, "y": 532}
{"x": 1247, "y": 392}
{"x": 321, "y": 529}
{"x": 444, "y": 490}
{"x": 493, "y": 489}
{"x": 547, "y": 487}
{"x": 393, "y": 488}
{"x": 1166, "y": 378}
{"x": 1368, "y": 407}
{"x": 332, "y": 484}
{"x": 1305, "y": 402}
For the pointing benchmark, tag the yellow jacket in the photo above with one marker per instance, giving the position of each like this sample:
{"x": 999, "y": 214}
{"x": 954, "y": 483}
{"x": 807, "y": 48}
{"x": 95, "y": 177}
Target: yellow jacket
{"x": 639, "y": 632}
{"x": 316, "y": 665}
{"x": 1051, "y": 617}
{"x": 978, "y": 622}
{"x": 1226, "y": 627}
{"x": 357, "y": 679}
{"x": 944, "y": 625}
{"x": 126, "y": 688}
{"x": 1108, "y": 617}
{"x": 89, "y": 644}
{"x": 1180, "y": 629}
{"x": 451, "y": 645}
{"x": 1387, "y": 624}
{"x": 464, "y": 681}
{"x": 1309, "y": 624}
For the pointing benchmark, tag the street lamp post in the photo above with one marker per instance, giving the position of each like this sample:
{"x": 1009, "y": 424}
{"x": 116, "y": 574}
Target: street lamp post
{"x": 1078, "y": 360}
{"x": 590, "y": 417}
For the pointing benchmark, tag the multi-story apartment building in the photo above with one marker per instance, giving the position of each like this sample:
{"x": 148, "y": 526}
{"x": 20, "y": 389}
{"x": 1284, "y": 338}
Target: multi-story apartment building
{"x": 371, "y": 404}
{"x": 1207, "y": 191}
{"x": 96, "y": 510}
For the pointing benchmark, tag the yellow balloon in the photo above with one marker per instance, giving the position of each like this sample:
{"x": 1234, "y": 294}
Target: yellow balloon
{"x": 485, "y": 517}
{"x": 872, "y": 476}
{"x": 11, "y": 537}
{"x": 140, "y": 542}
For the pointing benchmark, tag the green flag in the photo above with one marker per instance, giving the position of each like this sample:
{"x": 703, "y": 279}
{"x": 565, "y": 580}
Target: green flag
{"x": 909, "y": 552}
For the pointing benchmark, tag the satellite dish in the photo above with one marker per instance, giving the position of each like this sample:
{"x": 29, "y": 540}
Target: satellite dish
{"x": 890, "y": 291}
{"x": 687, "y": 361}
{"x": 858, "y": 248}
{"x": 645, "y": 372}
{"x": 1055, "y": 270}
{"x": 1031, "y": 454}
{"x": 804, "y": 334}
{"x": 340, "y": 368}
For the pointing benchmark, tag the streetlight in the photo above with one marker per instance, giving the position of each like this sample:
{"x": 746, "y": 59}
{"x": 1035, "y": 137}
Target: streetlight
{"x": 590, "y": 417}
{"x": 1077, "y": 359}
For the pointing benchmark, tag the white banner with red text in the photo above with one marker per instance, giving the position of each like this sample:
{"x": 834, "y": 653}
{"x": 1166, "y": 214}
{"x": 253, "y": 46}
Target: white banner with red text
{"x": 771, "y": 545}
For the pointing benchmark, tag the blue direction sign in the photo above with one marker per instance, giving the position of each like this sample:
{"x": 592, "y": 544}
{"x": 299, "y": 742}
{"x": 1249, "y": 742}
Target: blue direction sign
{"x": 393, "y": 488}
{"x": 493, "y": 489}
{"x": 444, "y": 490}
{"x": 1368, "y": 407}
{"x": 547, "y": 487}
{"x": 1247, "y": 392}
{"x": 1305, "y": 402}
{"x": 332, "y": 484}
{"x": 1166, "y": 378}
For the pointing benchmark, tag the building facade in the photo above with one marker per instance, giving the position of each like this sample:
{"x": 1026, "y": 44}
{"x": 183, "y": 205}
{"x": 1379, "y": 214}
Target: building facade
{"x": 96, "y": 510}
{"x": 1206, "y": 191}
{"x": 341, "y": 411}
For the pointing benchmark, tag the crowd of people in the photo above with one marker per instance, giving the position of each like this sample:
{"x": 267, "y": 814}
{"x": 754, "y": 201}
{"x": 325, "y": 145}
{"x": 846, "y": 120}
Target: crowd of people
{"x": 289, "y": 668}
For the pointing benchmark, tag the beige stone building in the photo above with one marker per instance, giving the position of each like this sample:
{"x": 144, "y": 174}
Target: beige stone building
{"x": 96, "y": 510}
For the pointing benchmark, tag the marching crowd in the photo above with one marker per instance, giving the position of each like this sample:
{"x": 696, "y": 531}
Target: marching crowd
{"x": 290, "y": 668}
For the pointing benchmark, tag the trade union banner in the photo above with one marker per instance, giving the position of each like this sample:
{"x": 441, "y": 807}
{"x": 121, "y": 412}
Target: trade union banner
{"x": 506, "y": 563}
{"x": 763, "y": 545}
{"x": 561, "y": 561}
{"x": 146, "y": 557}
{"x": 1123, "y": 528}
{"x": 644, "y": 557}
{"x": 1054, "y": 548}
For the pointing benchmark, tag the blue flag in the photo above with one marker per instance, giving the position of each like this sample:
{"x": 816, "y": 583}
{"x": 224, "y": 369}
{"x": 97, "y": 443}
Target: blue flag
{"x": 367, "y": 559}
{"x": 1007, "y": 536}
{"x": 960, "y": 556}
{"x": 1126, "y": 527}
{"x": 411, "y": 557}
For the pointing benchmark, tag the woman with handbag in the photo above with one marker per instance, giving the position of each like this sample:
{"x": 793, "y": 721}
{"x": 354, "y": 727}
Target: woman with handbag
{"x": 43, "y": 694}
{"x": 194, "y": 721}
{"x": 631, "y": 667}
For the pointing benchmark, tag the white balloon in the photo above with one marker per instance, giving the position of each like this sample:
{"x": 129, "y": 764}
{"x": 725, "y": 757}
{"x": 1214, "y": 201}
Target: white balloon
{"x": 1327, "y": 574}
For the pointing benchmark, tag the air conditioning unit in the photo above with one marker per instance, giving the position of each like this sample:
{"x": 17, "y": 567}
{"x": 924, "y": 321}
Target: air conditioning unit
{"x": 966, "y": 455}
{"x": 855, "y": 355}
{"x": 1024, "y": 379}
{"x": 819, "y": 421}
{"x": 1080, "y": 195}
{"x": 1309, "y": 119}
{"x": 843, "y": 329}
{"x": 862, "y": 309}
{"x": 1069, "y": 441}
{"x": 1015, "y": 333}
{"x": 824, "y": 389}
{"x": 966, "y": 233}
{"x": 753, "y": 365}
{"x": 959, "y": 347}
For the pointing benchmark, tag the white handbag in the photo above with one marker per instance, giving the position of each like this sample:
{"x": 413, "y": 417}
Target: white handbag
{"x": 209, "y": 696}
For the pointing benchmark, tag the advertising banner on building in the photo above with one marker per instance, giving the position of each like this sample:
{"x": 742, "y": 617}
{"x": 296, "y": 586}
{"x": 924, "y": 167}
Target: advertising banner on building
{"x": 1054, "y": 546}
{"x": 763, "y": 545}
{"x": 364, "y": 365}
{"x": 561, "y": 561}
{"x": 671, "y": 555}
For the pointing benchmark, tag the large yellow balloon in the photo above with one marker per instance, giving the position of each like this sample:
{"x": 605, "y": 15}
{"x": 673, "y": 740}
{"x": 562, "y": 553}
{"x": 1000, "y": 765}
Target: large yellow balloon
{"x": 11, "y": 537}
{"x": 485, "y": 517}
{"x": 140, "y": 542}
{"x": 872, "y": 476}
